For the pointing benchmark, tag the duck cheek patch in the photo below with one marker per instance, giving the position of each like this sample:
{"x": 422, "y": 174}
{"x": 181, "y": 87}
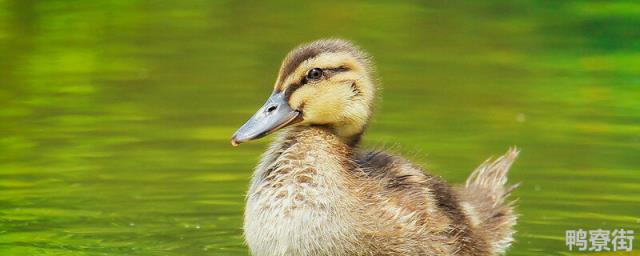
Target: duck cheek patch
{"x": 356, "y": 90}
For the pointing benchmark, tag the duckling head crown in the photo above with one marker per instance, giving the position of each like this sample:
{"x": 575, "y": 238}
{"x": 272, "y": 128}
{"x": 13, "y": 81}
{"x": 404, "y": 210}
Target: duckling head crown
{"x": 325, "y": 83}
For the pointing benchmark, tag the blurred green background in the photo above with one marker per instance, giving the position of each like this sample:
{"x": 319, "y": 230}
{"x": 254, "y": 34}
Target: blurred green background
{"x": 115, "y": 116}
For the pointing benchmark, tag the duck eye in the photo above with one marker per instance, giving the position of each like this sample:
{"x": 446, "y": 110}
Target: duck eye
{"x": 314, "y": 74}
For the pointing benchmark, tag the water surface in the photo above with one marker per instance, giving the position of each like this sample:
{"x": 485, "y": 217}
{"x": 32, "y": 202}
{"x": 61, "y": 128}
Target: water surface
{"x": 115, "y": 117}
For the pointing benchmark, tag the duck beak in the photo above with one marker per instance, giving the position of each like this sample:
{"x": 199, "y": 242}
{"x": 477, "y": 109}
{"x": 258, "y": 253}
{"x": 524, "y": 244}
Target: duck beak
{"x": 272, "y": 116}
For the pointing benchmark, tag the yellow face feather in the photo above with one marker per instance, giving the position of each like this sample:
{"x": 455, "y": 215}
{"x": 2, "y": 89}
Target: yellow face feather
{"x": 340, "y": 99}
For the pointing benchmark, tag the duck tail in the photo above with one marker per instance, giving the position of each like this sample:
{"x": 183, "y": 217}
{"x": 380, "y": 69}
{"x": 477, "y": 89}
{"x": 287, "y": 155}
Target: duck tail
{"x": 485, "y": 193}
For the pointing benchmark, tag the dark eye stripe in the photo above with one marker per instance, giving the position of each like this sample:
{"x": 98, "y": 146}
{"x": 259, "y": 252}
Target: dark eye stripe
{"x": 336, "y": 70}
{"x": 327, "y": 71}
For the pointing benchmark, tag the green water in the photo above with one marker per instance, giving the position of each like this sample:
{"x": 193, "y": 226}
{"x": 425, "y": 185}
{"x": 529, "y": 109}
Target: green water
{"x": 115, "y": 117}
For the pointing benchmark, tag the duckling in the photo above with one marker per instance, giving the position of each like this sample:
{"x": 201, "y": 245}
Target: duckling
{"x": 317, "y": 192}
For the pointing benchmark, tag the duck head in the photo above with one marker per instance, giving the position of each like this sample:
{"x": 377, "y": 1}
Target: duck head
{"x": 323, "y": 83}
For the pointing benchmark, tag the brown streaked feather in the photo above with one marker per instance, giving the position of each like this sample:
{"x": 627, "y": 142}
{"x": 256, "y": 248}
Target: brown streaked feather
{"x": 486, "y": 191}
{"x": 448, "y": 201}
{"x": 399, "y": 175}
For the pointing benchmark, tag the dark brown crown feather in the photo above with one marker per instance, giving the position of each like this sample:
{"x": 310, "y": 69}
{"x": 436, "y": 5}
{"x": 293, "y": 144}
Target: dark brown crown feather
{"x": 315, "y": 48}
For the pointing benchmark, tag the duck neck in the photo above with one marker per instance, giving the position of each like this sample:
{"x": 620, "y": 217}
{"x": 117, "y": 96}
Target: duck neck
{"x": 349, "y": 134}
{"x": 311, "y": 139}
{"x": 300, "y": 148}
{"x": 328, "y": 136}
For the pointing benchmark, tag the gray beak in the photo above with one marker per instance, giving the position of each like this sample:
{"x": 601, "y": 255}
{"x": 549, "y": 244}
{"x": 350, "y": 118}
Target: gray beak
{"x": 272, "y": 116}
